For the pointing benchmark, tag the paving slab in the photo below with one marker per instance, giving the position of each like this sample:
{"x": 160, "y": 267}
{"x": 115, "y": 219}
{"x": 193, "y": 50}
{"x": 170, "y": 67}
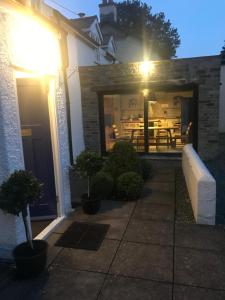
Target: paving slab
{"x": 115, "y": 209}
{"x": 149, "y": 211}
{"x": 63, "y": 284}
{"x": 156, "y": 197}
{"x": 53, "y": 250}
{"x": 95, "y": 261}
{"x": 143, "y": 261}
{"x": 161, "y": 186}
{"x": 166, "y": 176}
{"x": 17, "y": 289}
{"x": 146, "y": 231}
{"x": 193, "y": 293}
{"x": 6, "y": 270}
{"x": 61, "y": 228}
{"x": 200, "y": 268}
{"x": 119, "y": 209}
{"x": 117, "y": 225}
{"x": 200, "y": 237}
{"x": 117, "y": 287}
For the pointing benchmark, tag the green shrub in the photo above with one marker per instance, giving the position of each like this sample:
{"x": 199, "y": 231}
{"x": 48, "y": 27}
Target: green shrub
{"x": 87, "y": 164}
{"x": 122, "y": 158}
{"x": 129, "y": 185}
{"x": 19, "y": 190}
{"x": 146, "y": 168}
{"x": 102, "y": 185}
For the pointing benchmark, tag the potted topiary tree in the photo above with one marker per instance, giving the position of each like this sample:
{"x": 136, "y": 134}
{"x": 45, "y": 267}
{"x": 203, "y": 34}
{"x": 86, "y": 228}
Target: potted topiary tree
{"x": 16, "y": 193}
{"x": 86, "y": 165}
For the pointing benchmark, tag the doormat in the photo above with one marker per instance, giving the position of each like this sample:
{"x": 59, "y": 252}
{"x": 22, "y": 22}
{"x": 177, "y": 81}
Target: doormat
{"x": 80, "y": 235}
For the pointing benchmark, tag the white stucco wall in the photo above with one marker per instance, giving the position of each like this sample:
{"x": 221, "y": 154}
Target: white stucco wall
{"x": 222, "y": 101}
{"x": 11, "y": 151}
{"x": 201, "y": 186}
{"x": 63, "y": 144}
{"x": 80, "y": 54}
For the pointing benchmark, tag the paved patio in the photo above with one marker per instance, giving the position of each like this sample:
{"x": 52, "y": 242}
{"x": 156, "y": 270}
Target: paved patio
{"x": 146, "y": 254}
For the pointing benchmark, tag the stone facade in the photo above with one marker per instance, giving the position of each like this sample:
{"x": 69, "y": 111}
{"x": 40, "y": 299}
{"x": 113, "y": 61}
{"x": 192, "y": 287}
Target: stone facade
{"x": 204, "y": 72}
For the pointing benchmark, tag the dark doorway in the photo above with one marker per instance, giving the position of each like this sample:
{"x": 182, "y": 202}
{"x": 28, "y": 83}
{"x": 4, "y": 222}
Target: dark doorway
{"x": 37, "y": 146}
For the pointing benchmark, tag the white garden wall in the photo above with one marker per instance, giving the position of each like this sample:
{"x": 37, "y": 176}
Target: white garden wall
{"x": 201, "y": 186}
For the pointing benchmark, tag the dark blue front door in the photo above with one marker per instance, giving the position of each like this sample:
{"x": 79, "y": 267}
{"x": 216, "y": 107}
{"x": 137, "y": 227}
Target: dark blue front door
{"x": 37, "y": 146}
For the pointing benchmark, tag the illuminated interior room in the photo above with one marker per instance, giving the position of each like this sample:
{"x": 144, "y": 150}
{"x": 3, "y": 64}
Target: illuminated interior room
{"x": 168, "y": 116}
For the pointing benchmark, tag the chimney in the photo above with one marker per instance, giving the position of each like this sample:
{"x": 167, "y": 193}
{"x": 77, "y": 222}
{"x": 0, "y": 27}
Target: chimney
{"x": 108, "y": 11}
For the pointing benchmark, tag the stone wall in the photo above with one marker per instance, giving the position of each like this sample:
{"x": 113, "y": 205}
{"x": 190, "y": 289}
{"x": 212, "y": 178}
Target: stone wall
{"x": 202, "y": 71}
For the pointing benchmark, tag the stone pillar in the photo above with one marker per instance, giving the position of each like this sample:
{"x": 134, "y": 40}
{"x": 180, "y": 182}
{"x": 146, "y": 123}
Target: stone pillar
{"x": 11, "y": 153}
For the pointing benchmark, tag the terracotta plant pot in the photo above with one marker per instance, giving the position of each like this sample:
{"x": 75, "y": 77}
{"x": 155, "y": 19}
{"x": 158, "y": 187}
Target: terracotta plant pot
{"x": 31, "y": 262}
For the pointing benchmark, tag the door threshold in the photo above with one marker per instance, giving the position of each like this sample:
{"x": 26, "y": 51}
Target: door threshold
{"x": 44, "y": 218}
{"x": 49, "y": 229}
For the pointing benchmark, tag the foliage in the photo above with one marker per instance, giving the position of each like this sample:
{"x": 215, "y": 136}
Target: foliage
{"x": 129, "y": 185}
{"x": 87, "y": 164}
{"x": 102, "y": 185}
{"x": 146, "y": 168}
{"x": 157, "y": 33}
{"x": 122, "y": 158}
{"x": 19, "y": 190}
{"x": 223, "y": 50}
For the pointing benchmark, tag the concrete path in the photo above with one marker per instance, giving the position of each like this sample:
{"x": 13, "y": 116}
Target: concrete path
{"x": 146, "y": 255}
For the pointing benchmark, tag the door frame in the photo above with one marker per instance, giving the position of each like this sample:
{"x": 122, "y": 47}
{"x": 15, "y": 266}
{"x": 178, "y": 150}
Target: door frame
{"x": 155, "y": 87}
{"x": 51, "y": 85}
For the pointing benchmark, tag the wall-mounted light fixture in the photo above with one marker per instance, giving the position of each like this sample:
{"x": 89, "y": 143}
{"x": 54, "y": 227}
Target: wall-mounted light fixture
{"x": 146, "y": 68}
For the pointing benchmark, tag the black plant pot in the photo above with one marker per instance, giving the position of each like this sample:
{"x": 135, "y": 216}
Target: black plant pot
{"x": 90, "y": 206}
{"x": 31, "y": 262}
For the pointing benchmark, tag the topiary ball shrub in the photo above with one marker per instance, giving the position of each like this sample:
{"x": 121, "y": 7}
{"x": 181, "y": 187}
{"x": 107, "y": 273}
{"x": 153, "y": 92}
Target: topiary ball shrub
{"x": 102, "y": 185}
{"x": 122, "y": 158}
{"x": 146, "y": 169}
{"x": 129, "y": 186}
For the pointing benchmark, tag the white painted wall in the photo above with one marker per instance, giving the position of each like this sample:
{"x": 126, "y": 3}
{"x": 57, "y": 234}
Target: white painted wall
{"x": 80, "y": 54}
{"x": 95, "y": 31}
{"x": 11, "y": 151}
{"x": 201, "y": 186}
{"x": 222, "y": 101}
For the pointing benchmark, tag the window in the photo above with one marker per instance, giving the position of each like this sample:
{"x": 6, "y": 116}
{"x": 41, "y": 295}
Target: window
{"x": 154, "y": 122}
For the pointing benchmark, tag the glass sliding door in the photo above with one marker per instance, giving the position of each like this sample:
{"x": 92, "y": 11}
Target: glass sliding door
{"x": 124, "y": 120}
{"x": 170, "y": 121}
{"x": 154, "y": 122}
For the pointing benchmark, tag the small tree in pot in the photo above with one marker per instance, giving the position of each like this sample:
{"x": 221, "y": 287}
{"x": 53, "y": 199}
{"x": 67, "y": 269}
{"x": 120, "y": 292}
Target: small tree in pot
{"x": 87, "y": 164}
{"x": 16, "y": 193}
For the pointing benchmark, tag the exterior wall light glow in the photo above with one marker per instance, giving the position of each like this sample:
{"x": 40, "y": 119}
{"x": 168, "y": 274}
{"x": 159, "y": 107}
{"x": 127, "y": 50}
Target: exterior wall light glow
{"x": 145, "y": 92}
{"x": 146, "y": 69}
{"x": 34, "y": 46}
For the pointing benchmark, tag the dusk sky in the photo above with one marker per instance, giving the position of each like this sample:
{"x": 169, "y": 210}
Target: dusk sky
{"x": 200, "y": 23}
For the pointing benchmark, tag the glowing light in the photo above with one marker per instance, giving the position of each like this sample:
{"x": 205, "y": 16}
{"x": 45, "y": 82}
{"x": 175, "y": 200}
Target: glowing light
{"x": 146, "y": 68}
{"x": 145, "y": 92}
{"x": 33, "y": 46}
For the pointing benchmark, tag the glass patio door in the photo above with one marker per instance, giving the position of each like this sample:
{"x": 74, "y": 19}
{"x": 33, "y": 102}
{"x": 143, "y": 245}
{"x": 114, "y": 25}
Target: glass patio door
{"x": 154, "y": 122}
{"x": 170, "y": 121}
